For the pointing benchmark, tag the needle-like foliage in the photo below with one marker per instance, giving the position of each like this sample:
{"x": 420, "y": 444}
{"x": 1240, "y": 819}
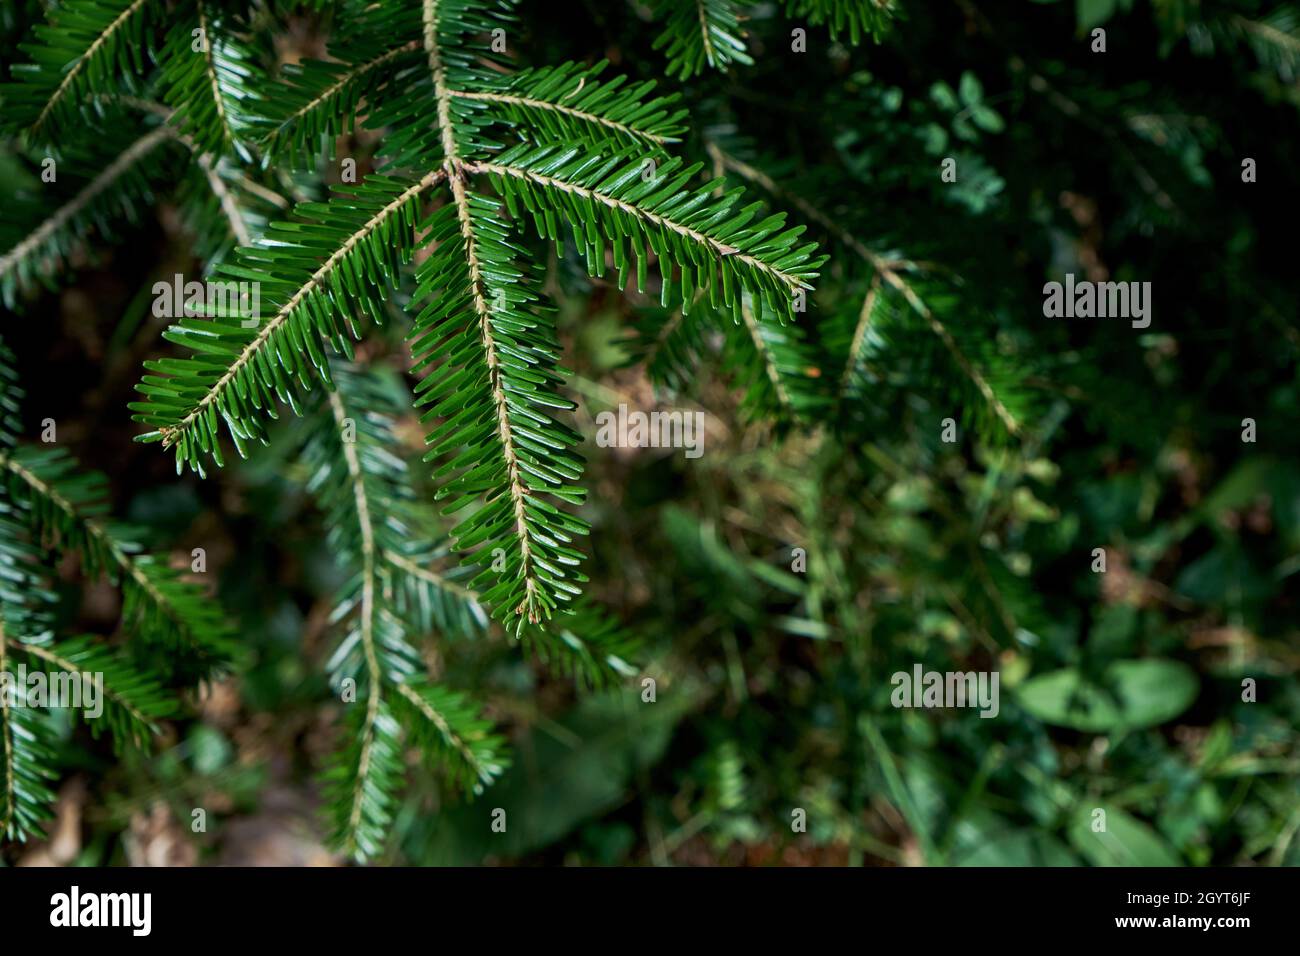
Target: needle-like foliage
{"x": 88, "y": 48}
{"x": 701, "y": 34}
{"x": 49, "y": 507}
{"x": 484, "y": 342}
{"x": 45, "y": 225}
{"x": 464, "y": 236}
{"x": 474, "y": 155}
{"x": 392, "y": 596}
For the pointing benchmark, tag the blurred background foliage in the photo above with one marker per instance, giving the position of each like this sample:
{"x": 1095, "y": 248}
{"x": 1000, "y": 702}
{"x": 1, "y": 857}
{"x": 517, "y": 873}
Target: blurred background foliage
{"x": 1121, "y": 690}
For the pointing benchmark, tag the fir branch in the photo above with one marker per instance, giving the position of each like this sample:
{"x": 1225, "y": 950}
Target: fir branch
{"x": 449, "y": 724}
{"x": 533, "y": 535}
{"x": 366, "y": 233}
{"x": 430, "y": 600}
{"x": 364, "y": 488}
{"x": 40, "y": 251}
{"x": 373, "y": 779}
{"x": 1275, "y": 38}
{"x": 858, "y": 19}
{"x": 717, "y": 247}
{"x": 582, "y": 643}
{"x": 568, "y": 102}
{"x": 700, "y": 33}
{"x": 586, "y": 644}
{"x": 857, "y": 343}
{"x": 7, "y": 743}
{"x": 888, "y": 270}
{"x": 25, "y": 798}
{"x": 135, "y": 702}
{"x": 433, "y": 578}
{"x": 160, "y": 609}
{"x": 363, "y": 778}
{"x": 208, "y": 88}
{"x": 317, "y": 100}
{"x": 494, "y": 392}
{"x": 357, "y": 485}
{"x": 430, "y": 10}
{"x": 25, "y": 755}
{"x": 529, "y": 607}
{"x": 766, "y": 357}
{"x": 85, "y": 49}
{"x": 976, "y": 376}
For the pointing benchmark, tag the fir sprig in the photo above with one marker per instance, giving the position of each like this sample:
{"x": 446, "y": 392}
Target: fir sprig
{"x": 365, "y": 489}
{"x": 470, "y": 152}
{"x": 50, "y": 507}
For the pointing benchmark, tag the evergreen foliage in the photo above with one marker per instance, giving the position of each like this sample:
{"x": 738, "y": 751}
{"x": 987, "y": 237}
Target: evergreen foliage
{"x": 51, "y": 508}
{"x": 472, "y": 224}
